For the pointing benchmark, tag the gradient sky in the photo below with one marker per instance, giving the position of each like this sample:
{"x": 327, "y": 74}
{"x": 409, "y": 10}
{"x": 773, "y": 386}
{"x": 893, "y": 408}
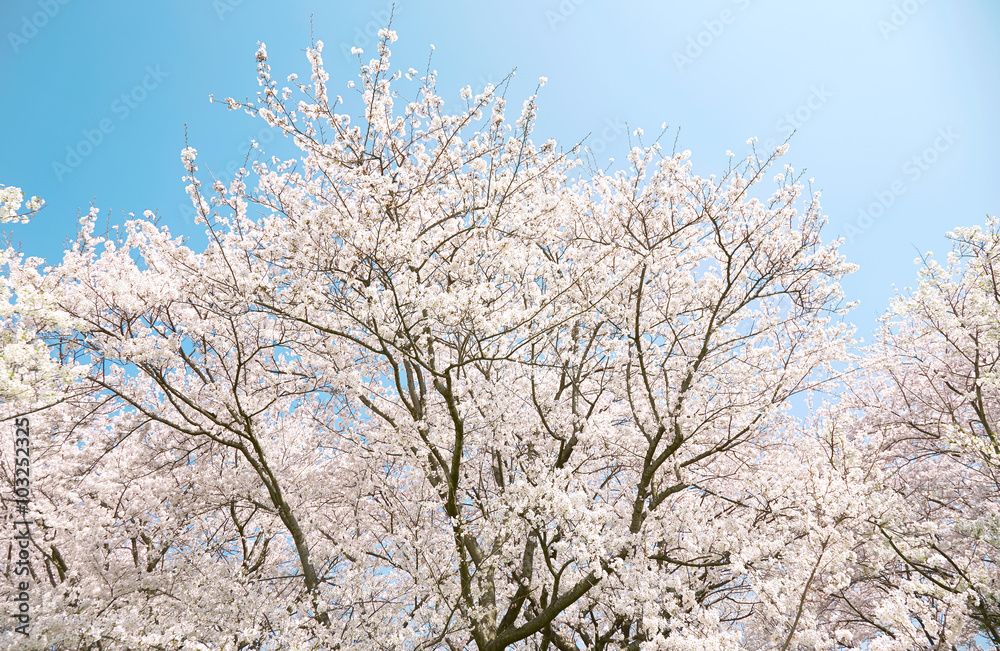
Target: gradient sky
{"x": 894, "y": 102}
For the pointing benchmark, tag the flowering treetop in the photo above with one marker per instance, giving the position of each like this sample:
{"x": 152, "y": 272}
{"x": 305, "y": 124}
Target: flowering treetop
{"x": 434, "y": 385}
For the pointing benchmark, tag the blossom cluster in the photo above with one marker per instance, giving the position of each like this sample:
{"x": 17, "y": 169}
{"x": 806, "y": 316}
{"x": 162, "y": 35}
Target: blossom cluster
{"x": 11, "y": 199}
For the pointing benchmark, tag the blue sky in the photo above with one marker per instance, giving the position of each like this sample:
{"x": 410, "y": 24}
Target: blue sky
{"x": 894, "y": 102}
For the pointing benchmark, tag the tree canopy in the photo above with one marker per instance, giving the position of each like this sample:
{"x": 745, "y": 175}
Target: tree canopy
{"x": 432, "y": 385}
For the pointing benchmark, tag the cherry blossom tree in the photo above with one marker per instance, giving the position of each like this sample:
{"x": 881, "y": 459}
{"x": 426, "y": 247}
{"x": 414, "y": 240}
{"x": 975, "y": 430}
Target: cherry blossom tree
{"x": 432, "y": 385}
{"x": 929, "y": 404}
